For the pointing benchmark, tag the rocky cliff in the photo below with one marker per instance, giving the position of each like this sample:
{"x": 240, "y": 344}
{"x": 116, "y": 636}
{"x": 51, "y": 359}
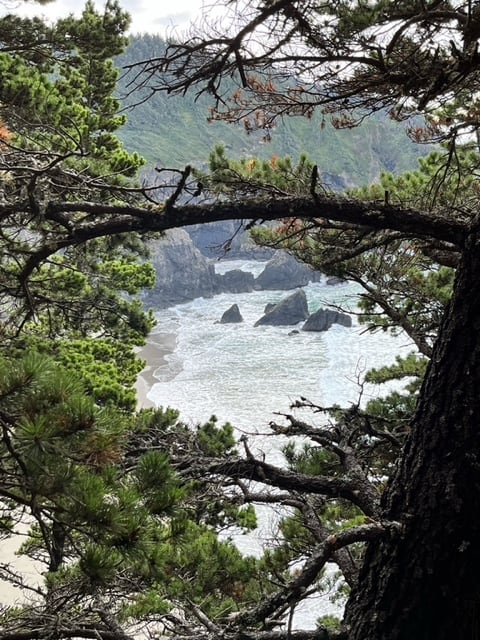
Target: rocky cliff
{"x": 184, "y": 273}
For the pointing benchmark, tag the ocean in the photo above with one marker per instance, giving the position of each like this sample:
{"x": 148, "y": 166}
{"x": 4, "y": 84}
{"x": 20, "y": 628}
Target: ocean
{"x": 245, "y": 374}
{"x": 249, "y": 375}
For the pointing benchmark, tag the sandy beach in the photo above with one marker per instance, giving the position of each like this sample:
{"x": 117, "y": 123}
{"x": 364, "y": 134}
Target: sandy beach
{"x": 154, "y": 352}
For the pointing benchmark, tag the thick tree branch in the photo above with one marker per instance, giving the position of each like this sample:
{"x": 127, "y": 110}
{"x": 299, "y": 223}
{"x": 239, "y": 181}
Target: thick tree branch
{"x": 89, "y": 633}
{"x": 376, "y": 215}
{"x": 295, "y": 590}
{"x": 364, "y": 497}
{"x": 106, "y": 220}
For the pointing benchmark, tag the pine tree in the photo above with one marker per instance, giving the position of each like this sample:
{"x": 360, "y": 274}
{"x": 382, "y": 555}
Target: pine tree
{"x": 60, "y": 119}
{"x": 419, "y": 572}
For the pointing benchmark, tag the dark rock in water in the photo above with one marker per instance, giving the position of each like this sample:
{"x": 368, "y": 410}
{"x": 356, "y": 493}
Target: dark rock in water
{"x": 294, "y": 332}
{"x": 343, "y": 319}
{"x": 289, "y": 311}
{"x": 334, "y": 280}
{"x": 323, "y": 319}
{"x": 231, "y": 315}
{"x": 269, "y": 306}
{"x": 285, "y": 272}
{"x": 236, "y": 281}
{"x": 183, "y": 273}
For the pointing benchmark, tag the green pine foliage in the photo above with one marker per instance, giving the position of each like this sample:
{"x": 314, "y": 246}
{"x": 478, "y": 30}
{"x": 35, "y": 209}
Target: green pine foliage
{"x": 216, "y": 441}
{"x": 109, "y": 520}
{"x": 60, "y": 119}
{"x": 441, "y": 179}
{"x": 254, "y": 175}
{"x": 108, "y": 517}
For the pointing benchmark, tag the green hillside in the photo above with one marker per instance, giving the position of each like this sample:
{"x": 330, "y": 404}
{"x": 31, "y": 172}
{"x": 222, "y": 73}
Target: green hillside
{"x": 171, "y": 131}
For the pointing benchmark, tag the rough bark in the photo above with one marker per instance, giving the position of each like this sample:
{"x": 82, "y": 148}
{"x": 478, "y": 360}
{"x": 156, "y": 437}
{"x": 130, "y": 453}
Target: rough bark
{"x": 84, "y": 221}
{"x": 424, "y": 584}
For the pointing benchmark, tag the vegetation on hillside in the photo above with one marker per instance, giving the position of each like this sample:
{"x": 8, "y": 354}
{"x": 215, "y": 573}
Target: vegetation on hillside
{"x": 173, "y": 131}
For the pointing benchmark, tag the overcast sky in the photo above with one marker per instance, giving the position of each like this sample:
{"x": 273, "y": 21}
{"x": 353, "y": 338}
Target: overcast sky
{"x": 153, "y": 16}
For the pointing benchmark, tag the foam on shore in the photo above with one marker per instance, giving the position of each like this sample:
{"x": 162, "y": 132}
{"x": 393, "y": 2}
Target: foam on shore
{"x": 154, "y": 352}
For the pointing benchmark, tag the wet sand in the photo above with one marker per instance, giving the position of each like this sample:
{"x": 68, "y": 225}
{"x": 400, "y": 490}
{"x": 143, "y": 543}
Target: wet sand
{"x": 154, "y": 352}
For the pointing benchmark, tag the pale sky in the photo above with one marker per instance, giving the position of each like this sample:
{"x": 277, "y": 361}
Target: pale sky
{"x": 153, "y": 16}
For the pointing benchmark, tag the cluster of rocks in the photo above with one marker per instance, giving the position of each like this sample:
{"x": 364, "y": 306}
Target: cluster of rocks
{"x": 184, "y": 273}
{"x": 291, "y": 311}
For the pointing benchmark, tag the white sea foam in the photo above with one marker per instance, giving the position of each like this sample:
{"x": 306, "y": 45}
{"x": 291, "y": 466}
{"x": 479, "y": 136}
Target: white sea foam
{"x": 245, "y": 374}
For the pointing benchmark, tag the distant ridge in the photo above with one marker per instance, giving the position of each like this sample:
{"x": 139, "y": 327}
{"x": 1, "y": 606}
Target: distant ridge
{"x": 172, "y": 131}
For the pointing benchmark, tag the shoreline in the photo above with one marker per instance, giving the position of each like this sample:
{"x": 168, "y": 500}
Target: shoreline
{"x": 154, "y": 352}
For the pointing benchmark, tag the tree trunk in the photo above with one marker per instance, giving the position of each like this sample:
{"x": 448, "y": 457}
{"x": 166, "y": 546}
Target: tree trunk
{"x": 424, "y": 584}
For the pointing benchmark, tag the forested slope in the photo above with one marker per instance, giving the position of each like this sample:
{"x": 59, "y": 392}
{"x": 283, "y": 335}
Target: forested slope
{"x": 171, "y": 131}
